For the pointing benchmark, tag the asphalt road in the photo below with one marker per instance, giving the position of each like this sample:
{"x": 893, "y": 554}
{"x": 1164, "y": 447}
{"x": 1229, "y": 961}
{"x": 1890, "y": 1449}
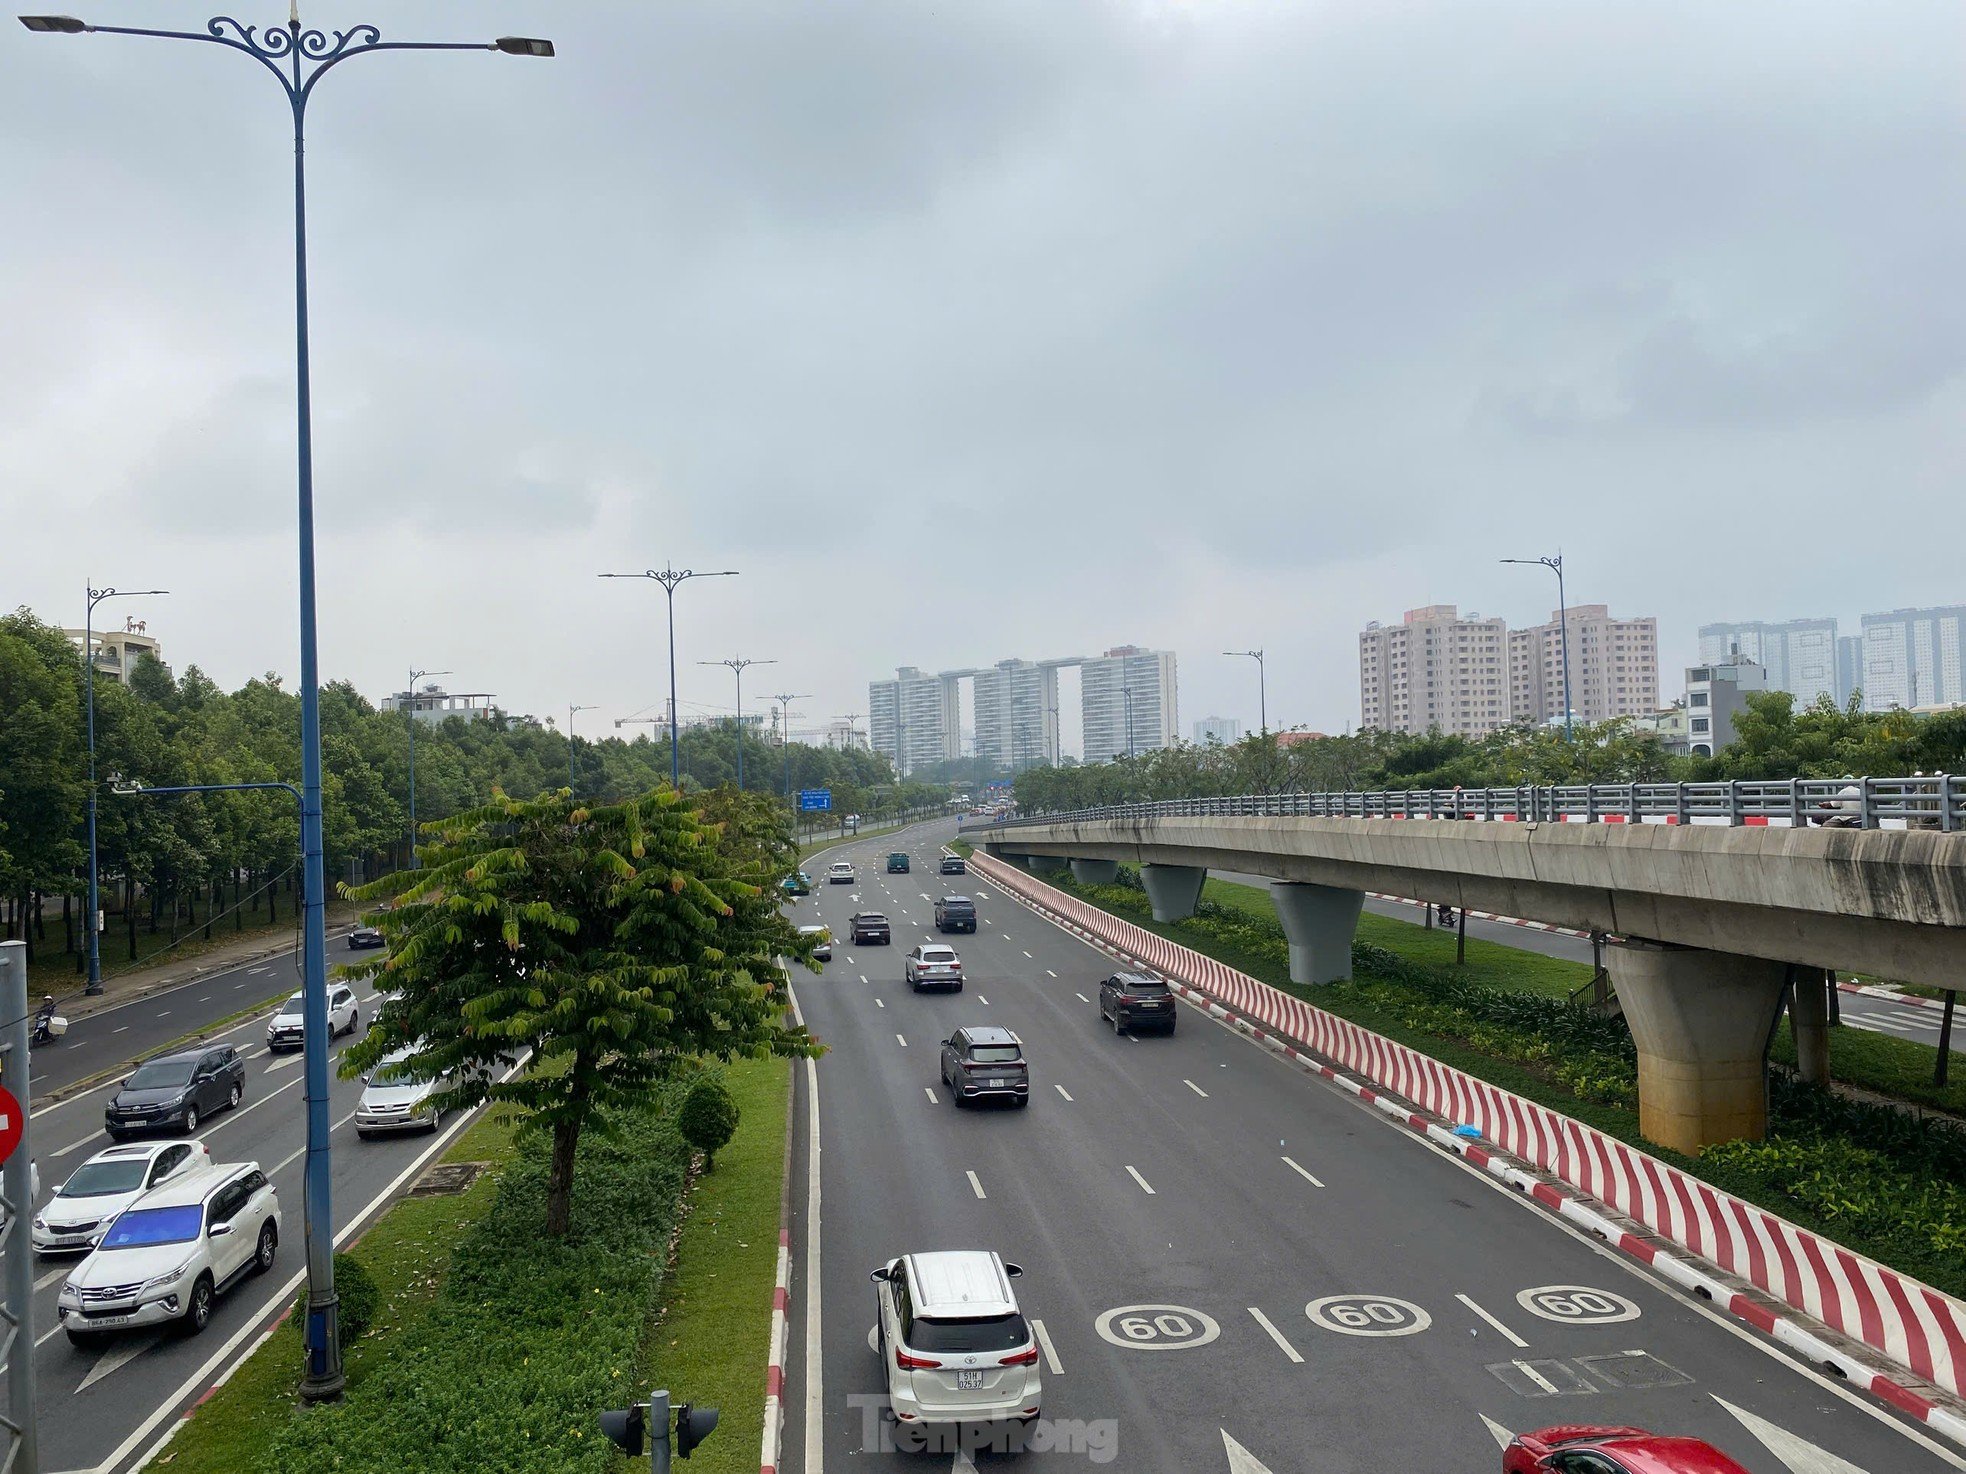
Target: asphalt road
{"x": 1200, "y": 1199}
{"x": 102, "y": 1409}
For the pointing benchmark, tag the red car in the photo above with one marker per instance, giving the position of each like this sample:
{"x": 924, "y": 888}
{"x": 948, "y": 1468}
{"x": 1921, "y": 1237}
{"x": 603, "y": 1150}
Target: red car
{"x": 1579, "y": 1448}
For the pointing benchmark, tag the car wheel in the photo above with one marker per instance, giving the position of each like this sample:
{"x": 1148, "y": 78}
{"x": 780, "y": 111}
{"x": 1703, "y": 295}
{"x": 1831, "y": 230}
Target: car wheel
{"x": 85, "y": 1340}
{"x": 198, "y": 1313}
{"x": 269, "y": 1245}
{"x": 116, "y": 1135}
{"x": 1023, "y": 1101}
{"x": 191, "y": 1120}
{"x": 238, "y": 1094}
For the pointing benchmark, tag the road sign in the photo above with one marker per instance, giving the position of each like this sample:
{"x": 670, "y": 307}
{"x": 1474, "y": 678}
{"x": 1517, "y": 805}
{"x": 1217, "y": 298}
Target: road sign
{"x": 13, "y": 1120}
{"x": 815, "y": 800}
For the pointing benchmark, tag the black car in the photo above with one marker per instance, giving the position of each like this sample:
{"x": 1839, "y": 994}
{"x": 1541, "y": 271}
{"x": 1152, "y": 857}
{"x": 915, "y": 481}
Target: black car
{"x": 1137, "y": 1000}
{"x": 174, "y": 1092}
{"x": 870, "y": 926}
{"x": 984, "y": 1060}
{"x": 953, "y": 865}
{"x": 955, "y": 913}
{"x": 364, "y": 936}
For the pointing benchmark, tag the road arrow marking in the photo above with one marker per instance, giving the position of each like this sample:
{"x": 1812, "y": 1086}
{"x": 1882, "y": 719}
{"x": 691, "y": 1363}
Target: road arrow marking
{"x": 1241, "y": 1460}
{"x": 1802, "y": 1456}
{"x": 1503, "y": 1438}
{"x": 116, "y": 1357}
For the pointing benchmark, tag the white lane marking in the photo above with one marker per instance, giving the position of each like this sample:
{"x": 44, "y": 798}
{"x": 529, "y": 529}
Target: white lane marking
{"x": 1535, "y": 1376}
{"x": 60, "y": 1271}
{"x": 1050, "y": 1351}
{"x": 1049, "y": 973}
{"x": 163, "y": 1013}
{"x": 1081, "y": 997}
{"x": 255, "y": 971}
{"x": 1503, "y": 1438}
{"x": 281, "y": 1064}
{"x": 115, "y": 1357}
{"x": 247, "y": 1110}
{"x": 879, "y": 1004}
{"x": 1063, "y": 1091}
{"x": 1027, "y": 954}
{"x": 1506, "y": 1334}
{"x": 863, "y": 976}
{"x": 982, "y": 1000}
{"x": 1135, "y": 1175}
{"x": 1196, "y": 1088}
{"x": 74, "y": 1146}
{"x": 1241, "y": 1460}
{"x": 1802, "y": 1456}
{"x": 1006, "y": 937}
{"x": 237, "y": 986}
{"x": 902, "y": 1041}
{"x": 851, "y": 963}
{"x": 120, "y": 1029}
{"x": 974, "y": 1185}
{"x": 930, "y": 1093}
{"x": 206, "y": 999}
{"x": 1275, "y": 1335}
{"x": 1294, "y": 1167}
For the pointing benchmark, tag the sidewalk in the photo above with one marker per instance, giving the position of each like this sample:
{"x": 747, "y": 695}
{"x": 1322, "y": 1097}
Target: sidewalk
{"x": 187, "y": 966}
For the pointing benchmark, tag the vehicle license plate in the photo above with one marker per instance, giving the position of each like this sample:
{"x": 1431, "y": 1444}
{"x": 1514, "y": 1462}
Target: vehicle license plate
{"x": 1000, "y": 1082}
{"x": 969, "y": 1381}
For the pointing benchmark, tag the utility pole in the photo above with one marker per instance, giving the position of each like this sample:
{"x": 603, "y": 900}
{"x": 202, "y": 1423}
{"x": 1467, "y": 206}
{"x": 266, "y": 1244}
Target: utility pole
{"x": 785, "y": 700}
{"x": 670, "y": 578}
{"x": 1555, "y": 565}
{"x": 1262, "y": 686}
{"x": 415, "y": 676}
{"x": 738, "y": 665}
{"x": 17, "y": 1196}
{"x": 572, "y": 712}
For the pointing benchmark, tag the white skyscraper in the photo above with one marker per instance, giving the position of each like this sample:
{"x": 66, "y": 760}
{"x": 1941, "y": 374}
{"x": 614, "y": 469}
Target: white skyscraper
{"x": 1225, "y": 730}
{"x": 1913, "y": 658}
{"x": 1126, "y": 680}
{"x": 913, "y": 719}
{"x": 1016, "y": 707}
{"x": 1799, "y": 655}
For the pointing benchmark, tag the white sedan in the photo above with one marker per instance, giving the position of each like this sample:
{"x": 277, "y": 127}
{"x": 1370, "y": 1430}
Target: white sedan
{"x": 82, "y": 1208}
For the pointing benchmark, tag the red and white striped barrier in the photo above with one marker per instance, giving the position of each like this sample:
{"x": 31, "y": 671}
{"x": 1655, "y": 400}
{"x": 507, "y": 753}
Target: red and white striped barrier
{"x": 781, "y": 1294}
{"x": 1915, "y": 1326}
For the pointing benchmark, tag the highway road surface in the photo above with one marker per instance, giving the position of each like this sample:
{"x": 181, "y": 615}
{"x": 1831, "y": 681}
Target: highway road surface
{"x": 1232, "y": 1265}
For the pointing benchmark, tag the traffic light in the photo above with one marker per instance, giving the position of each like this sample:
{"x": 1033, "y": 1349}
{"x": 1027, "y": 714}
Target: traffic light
{"x": 626, "y": 1428}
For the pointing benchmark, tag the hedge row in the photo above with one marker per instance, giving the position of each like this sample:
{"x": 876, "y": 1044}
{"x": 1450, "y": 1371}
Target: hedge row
{"x": 529, "y": 1338}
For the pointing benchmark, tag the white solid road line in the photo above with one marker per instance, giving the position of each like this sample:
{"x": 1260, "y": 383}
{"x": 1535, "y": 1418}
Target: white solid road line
{"x": 75, "y": 1145}
{"x": 974, "y": 1185}
{"x": 1276, "y": 1335}
{"x": 1535, "y": 1376}
{"x": 1063, "y": 1091}
{"x": 1196, "y": 1088}
{"x": 1294, "y": 1167}
{"x": 1135, "y": 1175}
{"x": 60, "y": 1271}
{"x": 1506, "y": 1334}
{"x": 1050, "y": 1352}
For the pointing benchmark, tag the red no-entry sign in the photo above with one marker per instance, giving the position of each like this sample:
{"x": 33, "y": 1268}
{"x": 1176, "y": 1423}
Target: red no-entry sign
{"x": 13, "y": 1121}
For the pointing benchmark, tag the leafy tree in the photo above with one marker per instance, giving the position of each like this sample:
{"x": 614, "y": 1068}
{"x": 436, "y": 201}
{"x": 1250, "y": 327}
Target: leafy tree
{"x": 619, "y": 944}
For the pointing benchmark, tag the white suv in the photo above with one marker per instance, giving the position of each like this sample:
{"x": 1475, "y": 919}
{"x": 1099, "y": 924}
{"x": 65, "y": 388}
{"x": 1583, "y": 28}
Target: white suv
{"x": 288, "y": 1027}
{"x": 840, "y": 872}
{"x": 952, "y": 1341}
{"x": 83, "y": 1207}
{"x": 171, "y": 1253}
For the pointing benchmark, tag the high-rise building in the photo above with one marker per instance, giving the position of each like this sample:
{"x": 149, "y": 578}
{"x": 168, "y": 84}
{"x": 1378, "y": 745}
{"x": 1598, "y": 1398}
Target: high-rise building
{"x": 1224, "y": 730}
{"x": 1914, "y": 658}
{"x": 1128, "y": 702}
{"x": 1614, "y": 667}
{"x": 914, "y": 719}
{"x": 1434, "y": 669}
{"x": 1799, "y": 655}
{"x": 1016, "y": 706}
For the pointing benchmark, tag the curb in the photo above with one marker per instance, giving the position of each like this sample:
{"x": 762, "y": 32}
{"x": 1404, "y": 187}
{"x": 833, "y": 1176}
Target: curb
{"x": 1816, "y": 1343}
{"x": 1911, "y": 1000}
{"x": 781, "y": 1295}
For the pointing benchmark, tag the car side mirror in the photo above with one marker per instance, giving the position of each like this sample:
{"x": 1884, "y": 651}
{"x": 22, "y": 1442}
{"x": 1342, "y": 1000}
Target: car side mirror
{"x": 879, "y": 1276}
{"x": 1013, "y": 1270}
{"x": 365, "y": 1079}
{"x": 218, "y": 1230}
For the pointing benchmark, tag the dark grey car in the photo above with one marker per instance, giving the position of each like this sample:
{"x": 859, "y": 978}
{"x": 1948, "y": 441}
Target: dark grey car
{"x": 1135, "y": 1001}
{"x": 984, "y": 1060}
{"x": 174, "y": 1092}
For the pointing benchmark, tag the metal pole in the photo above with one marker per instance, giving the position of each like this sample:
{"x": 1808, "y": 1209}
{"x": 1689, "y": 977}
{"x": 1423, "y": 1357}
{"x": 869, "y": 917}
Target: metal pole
{"x": 1461, "y": 936}
{"x": 738, "y": 666}
{"x": 1942, "y": 1068}
{"x": 675, "y": 752}
{"x": 573, "y": 710}
{"x": 93, "y": 988}
{"x": 1563, "y": 633}
{"x": 1263, "y": 692}
{"x": 411, "y": 710}
{"x": 17, "y": 1318}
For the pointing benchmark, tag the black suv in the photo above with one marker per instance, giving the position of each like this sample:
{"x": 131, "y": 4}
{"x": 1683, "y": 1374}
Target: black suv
{"x": 955, "y": 913}
{"x": 1136, "y": 1000}
{"x": 177, "y": 1091}
{"x": 985, "y": 1060}
{"x": 870, "y": 926}
{"x": 953, "y": 865}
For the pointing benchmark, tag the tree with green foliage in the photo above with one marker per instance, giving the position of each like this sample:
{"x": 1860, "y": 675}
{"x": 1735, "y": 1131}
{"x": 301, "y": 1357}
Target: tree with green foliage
{"x": 708, "y": 1118}
{"x": 617, "y": 944}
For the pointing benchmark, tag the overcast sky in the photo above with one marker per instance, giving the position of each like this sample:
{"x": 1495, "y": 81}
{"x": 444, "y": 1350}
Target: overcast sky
{"x": 986, "y": 328}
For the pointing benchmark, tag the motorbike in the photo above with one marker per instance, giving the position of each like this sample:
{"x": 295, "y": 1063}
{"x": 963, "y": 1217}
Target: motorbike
{"x": 48, "y": 1027}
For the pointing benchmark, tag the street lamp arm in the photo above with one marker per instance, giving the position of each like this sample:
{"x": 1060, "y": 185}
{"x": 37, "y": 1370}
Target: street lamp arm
{"x": 128, "y": 790}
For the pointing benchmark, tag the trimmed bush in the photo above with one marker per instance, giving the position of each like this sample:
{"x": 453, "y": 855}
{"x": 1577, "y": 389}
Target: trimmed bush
{"x": 708, "y": 1119}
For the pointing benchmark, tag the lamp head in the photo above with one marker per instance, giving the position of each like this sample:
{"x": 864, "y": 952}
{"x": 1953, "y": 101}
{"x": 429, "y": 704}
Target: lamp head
{"x": 63, "y": 25}
{"x": 523, "y": 46}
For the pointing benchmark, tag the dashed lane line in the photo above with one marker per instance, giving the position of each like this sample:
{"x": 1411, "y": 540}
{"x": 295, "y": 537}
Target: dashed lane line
{"x": 1196, "y": 1088}
{"x": 879, "y": 1004}
{"x": 1295, "y": 1167}
{"x": 903, "y": 1041}
{"x": 1049, "y": 973}
{"x": 1503, "y": 1331}
{"x": 1050, "y": 1352}
{"x": 982, "y": 1000}
{"x": 1276, "y": 1335}
{"x": 975, "y": 1186}
{"x": 930, "y": 1093}
{"x": 1081, "y": 997}
{"x": 1063, "y": 1091}
{"x": 1145, "y": 1186}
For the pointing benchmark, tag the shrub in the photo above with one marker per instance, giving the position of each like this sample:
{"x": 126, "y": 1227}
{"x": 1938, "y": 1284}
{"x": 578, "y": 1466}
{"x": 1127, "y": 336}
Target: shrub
{"x": 359, "y": 1297}
{"x": 708, "y": 1119}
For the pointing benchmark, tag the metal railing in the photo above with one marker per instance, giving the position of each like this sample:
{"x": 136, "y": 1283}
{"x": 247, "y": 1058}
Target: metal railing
{"x": 1934, "y": 802}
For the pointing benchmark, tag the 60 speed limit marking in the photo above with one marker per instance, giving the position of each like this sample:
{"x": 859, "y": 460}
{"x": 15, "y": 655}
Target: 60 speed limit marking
{"x": 1577, "y": 1305}
{"x": 1156, "y": 1327}
{"x": 1368, "y": 1315}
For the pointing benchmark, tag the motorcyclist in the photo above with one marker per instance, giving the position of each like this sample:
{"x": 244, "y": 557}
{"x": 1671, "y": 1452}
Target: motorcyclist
{"x": 44, "y": 1016}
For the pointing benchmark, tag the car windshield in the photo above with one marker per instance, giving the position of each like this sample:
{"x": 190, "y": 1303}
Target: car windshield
{"x": 980, "y": 1333}
{"x": 160, "y": 1074}
{"x": 294, "y": 1004}
{"x": 395, "y": 1072}
{"x": 141, "y": 1227}
{"x": 995, "y": 1054}
{"x": 98, "y": 1179}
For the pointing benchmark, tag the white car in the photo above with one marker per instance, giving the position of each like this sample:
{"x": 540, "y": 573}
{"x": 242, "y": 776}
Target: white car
{"x": 824, "y": 951}
{"x": 173, "y": 1252}
{"x": 840, "y": 872}
{"x": 83, "y": 1207}
{"x": 397, "y": 1098}
{"x": 953, "y": 1344}
{"x": 933, "y": 964}
{"x": 288, "y": 1029}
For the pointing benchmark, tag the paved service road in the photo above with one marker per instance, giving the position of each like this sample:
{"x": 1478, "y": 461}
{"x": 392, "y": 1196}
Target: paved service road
{"x": 102, "y": 1409}
{"x": 1219, "y": 1247}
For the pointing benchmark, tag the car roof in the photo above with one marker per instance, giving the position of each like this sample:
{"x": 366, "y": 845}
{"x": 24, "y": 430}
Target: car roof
{"x": 1134, "y": 975}
{"x": 965, "y": 1282}
{"x": 195, "y": 1186}
{"x": 808, "y": 930}
{"x": 991, "y": 1034}
{"x": 964, "y": 899}
{"x": 933, "y": 947}
{"x": 134, "y": 1151}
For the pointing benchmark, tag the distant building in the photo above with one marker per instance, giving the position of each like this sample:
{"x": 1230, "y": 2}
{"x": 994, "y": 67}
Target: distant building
{"x": 1849, "y": 668}
{"x": 1914, "y": 658}
{"x": 1128, "y": 702}
{"x": 1016, "y": 706}
{"x": 845, "y": 736}
{"x": 119, "y": 652}
{"x": 1435, "y": 668}
{"x": 1294, "y": 738}
{"x": 433, "y": 704}
{"x": 1668, "y": 724}
{"x": 1224, "y": 730}
{"x": 1715, "y": 696}
{"x": 1614, "y": 667}
{"x": 1799, "y": 655}
{"x": 914, "y": 719}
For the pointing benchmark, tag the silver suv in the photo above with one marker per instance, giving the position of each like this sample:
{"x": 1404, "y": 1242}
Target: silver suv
{"x": 953, "y": 1344}
{"x": 985, "y": 1060}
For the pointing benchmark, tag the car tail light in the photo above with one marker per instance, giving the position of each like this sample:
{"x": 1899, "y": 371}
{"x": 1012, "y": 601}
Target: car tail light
{"x": 1025, "y": 1358}
{"x": 909, "y": 1363}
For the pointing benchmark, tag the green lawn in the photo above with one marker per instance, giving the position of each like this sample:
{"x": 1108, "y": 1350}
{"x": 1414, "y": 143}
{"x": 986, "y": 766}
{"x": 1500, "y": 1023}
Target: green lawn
{"x": 711, "y": 1341}
{"x": 1901, "y": 1068}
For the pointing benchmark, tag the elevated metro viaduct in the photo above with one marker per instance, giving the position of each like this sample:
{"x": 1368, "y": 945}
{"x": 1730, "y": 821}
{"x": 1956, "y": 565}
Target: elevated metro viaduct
{"x": 1711, "y": 925}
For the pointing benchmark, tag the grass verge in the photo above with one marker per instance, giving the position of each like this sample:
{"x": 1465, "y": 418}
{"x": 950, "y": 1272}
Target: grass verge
{"x": 710, "y": 1342}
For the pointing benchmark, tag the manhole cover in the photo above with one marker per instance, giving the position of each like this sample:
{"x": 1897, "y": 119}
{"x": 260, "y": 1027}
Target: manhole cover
{"x": 446, "y": 1178}
{"x": 1636, "y": 1370}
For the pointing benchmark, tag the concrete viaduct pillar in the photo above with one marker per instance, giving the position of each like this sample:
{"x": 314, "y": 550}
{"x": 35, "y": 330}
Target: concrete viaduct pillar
{"x": 1809, "y": 1017}
{"x": 1701, "y": 1021}
{"x": 1172, "y": 890}
{"x": 1095, "y": 872}
{"x": 1044, "y": 864}
{"x": 1319, "y": 921}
